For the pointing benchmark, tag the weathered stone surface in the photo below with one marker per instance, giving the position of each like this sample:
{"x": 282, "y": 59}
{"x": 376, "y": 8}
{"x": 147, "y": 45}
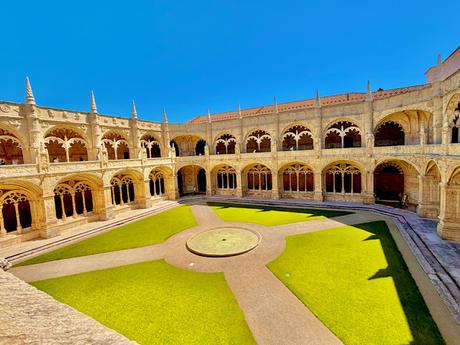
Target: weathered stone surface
{"x": 29, "y": 316}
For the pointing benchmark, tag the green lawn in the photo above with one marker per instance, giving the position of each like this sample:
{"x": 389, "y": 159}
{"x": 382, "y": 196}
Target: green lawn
{"x": 268, "y": 215}
{"x": 151, "y": 230}
{"x": 355, "y": 281}
{"x": 155, "y": 303}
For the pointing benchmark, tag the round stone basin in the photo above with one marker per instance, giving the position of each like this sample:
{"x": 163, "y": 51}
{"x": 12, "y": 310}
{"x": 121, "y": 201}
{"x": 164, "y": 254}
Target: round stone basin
{"x": 223, "y": 242}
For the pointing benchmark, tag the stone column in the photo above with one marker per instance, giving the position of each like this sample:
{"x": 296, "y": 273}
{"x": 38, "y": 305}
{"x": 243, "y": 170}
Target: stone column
{"x": 239, "y": 184}
{"x": 48, "y": 228}
{"x": 208, "y": 182}
{"x": 318, "y": 182}
{"x": 173, "y": 192}
{"x": 142, "y": 194}
{"x": 437, "y": 114}
{"x": 104, "y": 197}
{"x": 369, "y": 197}
{"x": 448, "y": 227}
{"x": 275, "y": 190}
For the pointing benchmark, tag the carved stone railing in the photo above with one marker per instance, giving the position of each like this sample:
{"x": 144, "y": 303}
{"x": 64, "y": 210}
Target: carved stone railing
{"x": 18, "y": 170}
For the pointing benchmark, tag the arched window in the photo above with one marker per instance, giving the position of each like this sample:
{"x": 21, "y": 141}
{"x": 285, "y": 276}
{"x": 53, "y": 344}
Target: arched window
{"x": 343, "y": 134}
{"x": 298, "y": 178}
{"x": 72, "y": 199}
{"x": 10, "y": 149}
{"x": 258, "y": 141}
{"x": 151, "y": 146}
{"x": 65, "y": 145}
{"x": 157, "y": 183}
{"x": 259, "y": 178}
{"x": 225, "y": 144}
{"x": 15, "y": 212}
{"x": 174, "y": 145}
{"x": 200, "y": 147}
{"x": 343, "y": 178}
{"x": 389, "y": 133}
{"x": 297, "y": 138}
{"x": 122, "y": 190}
{"x": 116, "y": 145}
{"x": 456, "y": 125}
{"x": 388, "y": 182}
{"x": 226, "y": 178}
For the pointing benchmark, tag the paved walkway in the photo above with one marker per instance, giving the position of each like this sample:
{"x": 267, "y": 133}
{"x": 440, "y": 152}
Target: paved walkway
{"x": 273, "y": 313}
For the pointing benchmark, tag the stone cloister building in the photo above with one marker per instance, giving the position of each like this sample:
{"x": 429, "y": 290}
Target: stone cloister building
{"x": 63, "y": 168}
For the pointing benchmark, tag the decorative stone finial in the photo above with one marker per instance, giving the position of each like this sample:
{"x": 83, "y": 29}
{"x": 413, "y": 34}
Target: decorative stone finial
{"x": 240, "y": 115}
{"x": 369, "y": 92}
{"x": 93, "y": 108}
{"x": 209, "y": 116}
{"x": 133, "y": 111}
{"x": 30, "y": 99}
{"x": 165, "y": 117}
{"x": 439, "y": 60}
{"x": 318, "y": 99}
{"x": 275, "y": 105}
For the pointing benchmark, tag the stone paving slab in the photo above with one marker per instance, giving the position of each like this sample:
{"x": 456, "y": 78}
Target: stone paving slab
{"x": 65, "y": 267}
{"x": 29, "y": 316}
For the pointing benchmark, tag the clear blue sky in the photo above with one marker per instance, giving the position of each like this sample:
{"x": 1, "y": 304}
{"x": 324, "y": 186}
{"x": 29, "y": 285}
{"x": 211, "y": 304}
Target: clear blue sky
{"x": 191, "y": 55}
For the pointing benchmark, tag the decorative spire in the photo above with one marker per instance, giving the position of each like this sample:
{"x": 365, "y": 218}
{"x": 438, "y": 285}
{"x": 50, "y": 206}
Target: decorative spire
{"x": 318, "y": 99}
{"x": 165, "y": 117}
{"x": 439, "y": 60}
{"x": 209, "y": 116}
{"x": 133, "y": 111}
{"x": 240, "y": 115}
{"x": 369, "y": 92}
{"x": 30, "y": 99}
{"x": 275, "y": 105}
{"x": 93, "y": 108}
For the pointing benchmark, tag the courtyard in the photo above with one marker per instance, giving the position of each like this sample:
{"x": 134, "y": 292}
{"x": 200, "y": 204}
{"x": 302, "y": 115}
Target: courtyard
{"x": 310, "y": 276}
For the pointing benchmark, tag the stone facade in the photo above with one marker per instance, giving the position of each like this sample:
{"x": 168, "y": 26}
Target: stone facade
{"x": 400, "y": 146}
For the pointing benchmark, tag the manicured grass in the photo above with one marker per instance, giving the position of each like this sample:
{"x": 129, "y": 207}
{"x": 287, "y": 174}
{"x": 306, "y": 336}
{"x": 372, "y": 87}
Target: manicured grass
{"x": 354, "y": 279}
{"x": 268, "y": 215}
{"x": 151, "y": 230}
{"x": 155, "y": 303}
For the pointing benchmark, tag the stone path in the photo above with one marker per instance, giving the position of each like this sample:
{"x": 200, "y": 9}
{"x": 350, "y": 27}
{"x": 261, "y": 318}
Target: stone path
{"x": 273, "y": 313}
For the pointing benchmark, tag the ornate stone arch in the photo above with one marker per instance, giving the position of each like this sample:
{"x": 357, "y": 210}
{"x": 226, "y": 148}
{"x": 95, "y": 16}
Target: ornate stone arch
{"x": 65, "y": 144}
{"x": 297, "y": 137}
{"x": 258, "y": 140}
{"x": 116, "y": 144}
{"x": 151, "y": 145}
{"x": 11, "y": 148}
{"x": 342, "y": 133}
{"x": 21, "y": 207}
{"x": 295, "y": 178}
{"x": 226, "y": 143}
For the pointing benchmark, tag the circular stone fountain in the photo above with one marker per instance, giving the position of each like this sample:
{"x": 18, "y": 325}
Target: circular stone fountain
{"x": 224, "y": 241}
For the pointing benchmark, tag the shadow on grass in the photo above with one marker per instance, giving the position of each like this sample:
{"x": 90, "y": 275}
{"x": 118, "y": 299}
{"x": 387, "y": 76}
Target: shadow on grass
{"x": 422, "y": 326}
{"x": 262, "y": 208}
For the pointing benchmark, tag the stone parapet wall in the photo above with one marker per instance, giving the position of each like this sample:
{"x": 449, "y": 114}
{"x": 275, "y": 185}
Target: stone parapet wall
{"x": 29, "y": 316}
